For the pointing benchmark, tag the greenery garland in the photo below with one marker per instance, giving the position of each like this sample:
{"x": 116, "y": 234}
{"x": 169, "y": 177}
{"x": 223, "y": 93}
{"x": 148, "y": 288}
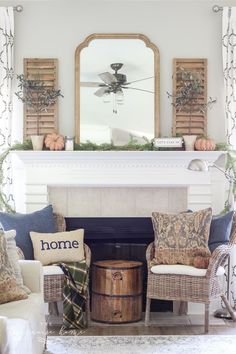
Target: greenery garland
{"x": 131, "y": 146}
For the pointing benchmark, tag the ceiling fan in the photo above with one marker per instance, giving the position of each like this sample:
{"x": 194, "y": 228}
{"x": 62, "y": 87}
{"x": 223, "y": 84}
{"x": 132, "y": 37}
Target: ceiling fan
{"x": 113, "y": 82}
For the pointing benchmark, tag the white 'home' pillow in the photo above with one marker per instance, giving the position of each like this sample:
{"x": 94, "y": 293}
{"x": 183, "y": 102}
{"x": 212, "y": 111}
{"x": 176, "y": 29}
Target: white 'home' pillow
{"x": 58, "y": 247}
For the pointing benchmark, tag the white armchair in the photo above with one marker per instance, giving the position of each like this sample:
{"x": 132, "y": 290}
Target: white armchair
{"x": 32, "y": 273}
{"x": 25, "y": 318}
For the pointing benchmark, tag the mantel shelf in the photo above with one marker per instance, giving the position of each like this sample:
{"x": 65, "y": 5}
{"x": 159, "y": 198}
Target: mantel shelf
{"x": 167, "y": 157}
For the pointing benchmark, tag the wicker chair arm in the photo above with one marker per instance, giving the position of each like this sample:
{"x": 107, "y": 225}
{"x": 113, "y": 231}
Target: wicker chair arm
{"x": 218, "y": 258}
{"x": 150, "y": 254}
{"x": 60, "y": 223}
{"x": 87, "y": 253}
{"x": 221, "y": 253}
{"x": 232, "y": 240}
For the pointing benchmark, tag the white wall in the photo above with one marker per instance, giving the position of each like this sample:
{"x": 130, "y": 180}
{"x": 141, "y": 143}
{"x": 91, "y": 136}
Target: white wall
{"x": 180, "y": 29}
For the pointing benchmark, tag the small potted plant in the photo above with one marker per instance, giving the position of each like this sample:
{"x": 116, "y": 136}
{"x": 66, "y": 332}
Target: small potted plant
{"x": 188, "y": 99}
{"x": 34, "y": 94}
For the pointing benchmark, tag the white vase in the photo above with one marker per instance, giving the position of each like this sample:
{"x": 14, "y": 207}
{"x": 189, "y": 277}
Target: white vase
{"x": 189, "y": 141}
{"x": 37, "y": 141}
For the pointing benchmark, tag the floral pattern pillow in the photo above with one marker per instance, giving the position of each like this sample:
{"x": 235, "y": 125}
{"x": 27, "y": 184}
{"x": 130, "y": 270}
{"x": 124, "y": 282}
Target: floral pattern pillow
{"x": 9, "y": 291}
{"x": 179, "y": 238}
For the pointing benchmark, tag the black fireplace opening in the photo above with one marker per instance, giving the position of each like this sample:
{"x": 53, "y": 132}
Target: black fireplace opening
{"x": 123, "y": 238}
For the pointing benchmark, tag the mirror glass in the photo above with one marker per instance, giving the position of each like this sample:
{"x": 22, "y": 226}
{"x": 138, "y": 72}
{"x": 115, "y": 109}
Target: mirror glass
{"x": 117, "y": 95}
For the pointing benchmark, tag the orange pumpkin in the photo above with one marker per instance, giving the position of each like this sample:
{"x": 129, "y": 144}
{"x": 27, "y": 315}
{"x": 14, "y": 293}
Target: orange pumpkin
{"x": 205, "y": 144}
{"x": 54, "y": 141}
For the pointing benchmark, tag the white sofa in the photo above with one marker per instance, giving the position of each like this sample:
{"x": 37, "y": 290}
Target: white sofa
{"x": 22, "y": 323}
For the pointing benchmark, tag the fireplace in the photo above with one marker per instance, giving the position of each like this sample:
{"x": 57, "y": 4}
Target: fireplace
{"x": 115, "y": 188}
{"x": 123, "y": 238}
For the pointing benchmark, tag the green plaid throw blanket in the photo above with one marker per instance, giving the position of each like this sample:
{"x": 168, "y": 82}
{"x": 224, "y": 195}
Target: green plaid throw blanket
{"x": 74, "y": 294}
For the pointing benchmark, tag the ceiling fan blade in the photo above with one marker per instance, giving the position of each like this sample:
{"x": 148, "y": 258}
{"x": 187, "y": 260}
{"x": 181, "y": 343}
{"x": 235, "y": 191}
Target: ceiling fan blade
{"x": 108, "y": 78}
{"x": 92, "y": 84}
{"x": 100, "y": 92}
{"x": 138, "y": 89}
{"x": 131, "y": 82}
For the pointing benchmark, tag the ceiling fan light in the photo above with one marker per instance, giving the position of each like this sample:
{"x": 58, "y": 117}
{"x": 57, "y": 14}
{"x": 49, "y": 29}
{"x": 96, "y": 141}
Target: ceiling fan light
{"x": 119, "y": 97}
{"x": 106, "y": 97}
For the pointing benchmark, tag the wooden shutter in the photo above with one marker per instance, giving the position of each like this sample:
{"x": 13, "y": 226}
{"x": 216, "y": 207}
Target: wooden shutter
{"x": 45, "y": 70}
{"x": 181, "y": 120}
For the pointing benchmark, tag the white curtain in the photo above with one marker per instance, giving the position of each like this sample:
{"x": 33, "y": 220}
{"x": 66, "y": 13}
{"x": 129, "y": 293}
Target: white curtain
{"x": 229, "y": 68}
{"x": 6, "y": 94}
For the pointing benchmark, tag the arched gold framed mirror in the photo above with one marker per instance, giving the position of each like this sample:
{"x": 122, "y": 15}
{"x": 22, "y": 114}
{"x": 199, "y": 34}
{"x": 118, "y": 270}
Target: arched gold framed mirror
{"x": 117, "y": 89}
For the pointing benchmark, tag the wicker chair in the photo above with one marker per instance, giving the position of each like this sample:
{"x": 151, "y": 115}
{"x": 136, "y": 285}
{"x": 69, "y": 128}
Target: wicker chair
{"x": 54, "y": 283}
{"x": 183, "y": 288}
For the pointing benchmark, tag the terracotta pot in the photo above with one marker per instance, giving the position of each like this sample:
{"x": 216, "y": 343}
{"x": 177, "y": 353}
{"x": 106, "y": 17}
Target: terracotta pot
{"x": 37, "y": 141}
{"x": 189, "y": 141}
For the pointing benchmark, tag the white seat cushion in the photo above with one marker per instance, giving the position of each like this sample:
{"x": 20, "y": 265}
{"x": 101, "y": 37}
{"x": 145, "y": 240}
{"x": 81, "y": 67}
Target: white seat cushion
{"x": 21, "y": 342}
{"x": 27, "y": 316}
{"x": 182, "y": 270}
{"x": 29, "y": 309}
{"x": 52, "y": 270}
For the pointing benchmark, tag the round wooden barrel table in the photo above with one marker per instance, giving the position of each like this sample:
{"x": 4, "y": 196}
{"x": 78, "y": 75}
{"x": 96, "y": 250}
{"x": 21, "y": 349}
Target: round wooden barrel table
{"x": 117, "y": 287}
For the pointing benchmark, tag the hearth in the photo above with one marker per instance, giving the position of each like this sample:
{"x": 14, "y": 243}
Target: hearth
{"x": 123, "y": 238}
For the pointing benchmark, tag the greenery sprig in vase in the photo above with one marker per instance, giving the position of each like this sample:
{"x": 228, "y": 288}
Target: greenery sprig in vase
{"x": 188, "y": 98}
{"x": 35, "y": 95}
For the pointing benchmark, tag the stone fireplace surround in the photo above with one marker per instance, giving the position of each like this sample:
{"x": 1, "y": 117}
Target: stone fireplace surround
{"x": 133, "y": 181}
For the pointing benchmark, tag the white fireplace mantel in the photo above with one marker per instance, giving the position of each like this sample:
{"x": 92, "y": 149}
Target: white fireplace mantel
{"x": 161, "y": 158}
{"x": 36, "y": 171}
